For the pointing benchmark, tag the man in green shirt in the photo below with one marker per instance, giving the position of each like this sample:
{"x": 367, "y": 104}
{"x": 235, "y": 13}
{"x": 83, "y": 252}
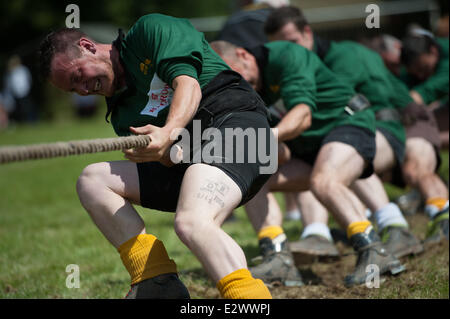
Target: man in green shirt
{"x": 330, "y": 132}
{"x": 426, "y": 59}
{"x": 365, "y": 71}
{"x": 162, "y": 80}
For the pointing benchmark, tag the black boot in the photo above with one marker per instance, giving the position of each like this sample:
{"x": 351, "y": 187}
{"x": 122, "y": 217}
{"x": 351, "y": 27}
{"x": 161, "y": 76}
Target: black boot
{"x": 165, "y": 286}
{"x": 278, "y": 264}
{"x": 370, "y": 251}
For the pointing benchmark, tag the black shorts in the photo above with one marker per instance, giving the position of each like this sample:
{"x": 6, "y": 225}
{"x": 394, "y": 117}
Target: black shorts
{"x": 361, "y": 139}
{"x": 228, "y": 102}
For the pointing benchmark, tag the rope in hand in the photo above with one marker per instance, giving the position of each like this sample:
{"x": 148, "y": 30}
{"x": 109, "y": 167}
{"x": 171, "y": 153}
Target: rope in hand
{"x": 10, "y": 154}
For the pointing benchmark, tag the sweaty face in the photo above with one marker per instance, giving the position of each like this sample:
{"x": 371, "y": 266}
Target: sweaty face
{"x": 86, "y": 75}
{"x": 424, "y": 66}
{"x": 290, "y": 32}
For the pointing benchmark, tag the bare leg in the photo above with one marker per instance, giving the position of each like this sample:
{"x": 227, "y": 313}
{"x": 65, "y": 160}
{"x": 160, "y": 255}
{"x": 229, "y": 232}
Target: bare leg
{"x": 385, "y": 158}
{"x": 312, "y": 210}
{"x": 107, "y": 191}
{"x": 263, "y": 210}
{"x": 337, "y": 166}
{"x": 371, "y": 192}
{"x": 292, "y": 211}
{"x": 419, "y": 169}
{"x": 291, "y": 202}
{"x": 206, "y": 198}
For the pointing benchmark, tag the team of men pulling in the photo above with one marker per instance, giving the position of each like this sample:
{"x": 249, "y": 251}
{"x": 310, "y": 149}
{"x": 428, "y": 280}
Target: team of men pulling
{"x": 344, "y": 119}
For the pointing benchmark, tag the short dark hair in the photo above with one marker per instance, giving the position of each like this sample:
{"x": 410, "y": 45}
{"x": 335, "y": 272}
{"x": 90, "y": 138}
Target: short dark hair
{"x": 278, "y": 18}
{"x": 61, "y": 41}
{"x": 415, "y": 45}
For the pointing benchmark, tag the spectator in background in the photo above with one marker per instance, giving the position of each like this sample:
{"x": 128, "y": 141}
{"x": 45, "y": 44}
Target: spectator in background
{"x": 6, "y": 108}
{"x": 85, "y": 106}
{"x": 18, "y": 83}
{"x": 3, "y": 116}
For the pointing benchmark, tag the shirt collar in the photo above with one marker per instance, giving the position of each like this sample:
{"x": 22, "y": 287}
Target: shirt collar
{"x": 129, "y": 89}
{"x": 321, "y": 47}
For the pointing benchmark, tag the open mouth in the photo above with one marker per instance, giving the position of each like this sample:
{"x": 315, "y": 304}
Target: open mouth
{"x": 98, "y": 86}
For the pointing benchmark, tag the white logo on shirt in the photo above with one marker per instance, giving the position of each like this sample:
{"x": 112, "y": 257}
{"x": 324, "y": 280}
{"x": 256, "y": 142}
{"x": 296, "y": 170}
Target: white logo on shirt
{"x": 159, "y": 97}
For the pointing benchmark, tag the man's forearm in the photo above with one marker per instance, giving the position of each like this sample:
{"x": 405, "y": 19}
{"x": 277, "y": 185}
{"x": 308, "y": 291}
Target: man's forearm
{"x": 294, "y": 123}
{"x": 416, "y": 97}
{"x": 185, "y": 102}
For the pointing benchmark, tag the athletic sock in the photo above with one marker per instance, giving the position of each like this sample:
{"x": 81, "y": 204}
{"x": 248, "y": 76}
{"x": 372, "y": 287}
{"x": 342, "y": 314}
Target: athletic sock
{"x": 145, "y": 256}
{"x": 319, "y": 229}
{"x": 435, "y": 205}
{"x": 357, "y": 227}
{"x": 270, "y": 231}
{"x": 241, "y": 285}
{"x": 390, "y": 215}
{"x": 294, "y": 214}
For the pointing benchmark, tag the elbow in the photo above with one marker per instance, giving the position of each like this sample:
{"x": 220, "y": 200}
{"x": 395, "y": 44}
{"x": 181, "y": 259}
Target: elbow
{"x": 198, "y": 91}
{"x": 308, "y": 119}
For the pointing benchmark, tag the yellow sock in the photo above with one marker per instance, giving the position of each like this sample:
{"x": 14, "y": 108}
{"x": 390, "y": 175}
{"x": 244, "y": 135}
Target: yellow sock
{"x": 357, "y": 227}
{"x": 145, "y": 256}
{"x": 270, "y": 231}
{"x": 241, "y": 285}
{"x": 437, "y": 202}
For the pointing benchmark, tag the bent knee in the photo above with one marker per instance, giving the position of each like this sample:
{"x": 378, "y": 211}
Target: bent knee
{"x": 321, "y": 184}
{"x": 188, "y": 228}
{"x": 90, "y": 177}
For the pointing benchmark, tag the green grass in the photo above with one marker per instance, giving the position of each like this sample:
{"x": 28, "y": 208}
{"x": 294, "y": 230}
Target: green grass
{"x": 43, "y": 228}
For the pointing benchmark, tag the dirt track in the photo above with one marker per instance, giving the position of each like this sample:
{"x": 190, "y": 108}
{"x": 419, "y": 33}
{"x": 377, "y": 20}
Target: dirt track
{"x": 426, "y": 276}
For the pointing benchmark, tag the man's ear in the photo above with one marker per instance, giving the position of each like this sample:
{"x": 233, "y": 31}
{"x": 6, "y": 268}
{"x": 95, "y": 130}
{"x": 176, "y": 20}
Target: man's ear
{"x": 88, "y": 44}
{"x": 434, "y": 50}
{"x": 241, "y": 53}
{"x": 307, "y": 31}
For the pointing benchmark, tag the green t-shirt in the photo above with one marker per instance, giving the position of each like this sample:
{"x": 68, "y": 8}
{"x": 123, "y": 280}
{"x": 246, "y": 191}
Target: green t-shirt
{"x": 298, "y": 76}
{"x": 155, "y": 51}
{"x": 436, "y": 86}
{"x": 365, "y": 71}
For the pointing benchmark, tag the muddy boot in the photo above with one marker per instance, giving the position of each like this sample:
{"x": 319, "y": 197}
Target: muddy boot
{"x": 165, "y": 286}
{"x": 400, "y": 242}
{"x": 370, "y": 251}
{"x": 313, "y": 248}
{"x": 410, "y": 202}
{"x": 437, "y": 228}
{"x": 277, "y": 266}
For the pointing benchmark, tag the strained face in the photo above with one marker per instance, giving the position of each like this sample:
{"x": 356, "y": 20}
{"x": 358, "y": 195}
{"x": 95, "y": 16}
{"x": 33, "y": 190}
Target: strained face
{"x": 290, "y": 32}
{"x": 423, "y": 66}
{"x": 86, "y": 75}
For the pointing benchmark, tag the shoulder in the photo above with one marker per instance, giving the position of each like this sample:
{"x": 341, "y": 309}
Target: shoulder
{"x": 287, "y": 50}
{"x": 157, "y": 21}
{"x": 154, "y": 18}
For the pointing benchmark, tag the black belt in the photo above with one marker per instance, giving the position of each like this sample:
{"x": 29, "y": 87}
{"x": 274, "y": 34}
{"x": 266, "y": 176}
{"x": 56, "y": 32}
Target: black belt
{"x": 388, "y": 114}
{"x": 356, "y": 104}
